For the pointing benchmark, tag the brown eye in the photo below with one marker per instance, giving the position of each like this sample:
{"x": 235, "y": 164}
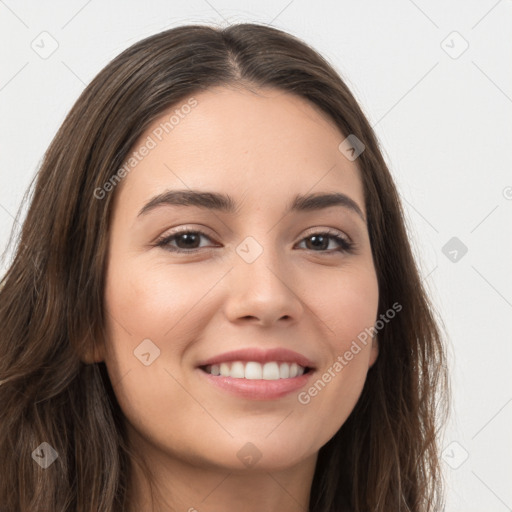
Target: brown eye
{"x": 320, "y": 242}
{"x": 185, "y": 241}
{"x": 188, "y": 241}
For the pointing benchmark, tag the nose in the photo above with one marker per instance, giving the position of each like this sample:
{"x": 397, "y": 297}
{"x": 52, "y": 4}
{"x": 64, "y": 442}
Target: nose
{"x": 262, "y": 293}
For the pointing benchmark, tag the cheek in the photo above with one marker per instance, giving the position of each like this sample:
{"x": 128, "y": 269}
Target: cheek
{"x": 155, "y": 301}
{"x": 155, "y": 310}
{"x": 352, "y": 315}
{"x": 347, "y": 303}
{"x": 147, "y": 306}
{"x": 348, "y": 308}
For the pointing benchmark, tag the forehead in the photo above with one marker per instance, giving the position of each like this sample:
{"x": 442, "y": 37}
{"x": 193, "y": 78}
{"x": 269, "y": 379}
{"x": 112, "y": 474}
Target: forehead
{"x": 263, "y": 144}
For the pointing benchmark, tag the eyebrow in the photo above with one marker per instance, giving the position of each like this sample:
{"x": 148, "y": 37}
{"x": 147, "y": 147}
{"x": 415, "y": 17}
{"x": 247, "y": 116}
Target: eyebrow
{"x": 225, "y": 203}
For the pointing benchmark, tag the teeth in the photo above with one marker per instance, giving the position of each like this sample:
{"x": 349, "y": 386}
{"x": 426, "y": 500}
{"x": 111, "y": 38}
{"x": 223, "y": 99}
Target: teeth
{"x": 284, "y": 370}
{"x": 237, "y": 370}
{"x": 271, "y": 371}
{"x": 225, "y": 369}
{"x": 252, "y": 370}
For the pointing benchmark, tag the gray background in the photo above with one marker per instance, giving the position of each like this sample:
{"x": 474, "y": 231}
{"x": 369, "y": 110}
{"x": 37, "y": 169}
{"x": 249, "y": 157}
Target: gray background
{"x": 442, "y": 114}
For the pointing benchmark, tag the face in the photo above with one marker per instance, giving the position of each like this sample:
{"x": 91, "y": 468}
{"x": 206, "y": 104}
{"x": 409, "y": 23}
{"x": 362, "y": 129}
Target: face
{"x": 261, "y": 284}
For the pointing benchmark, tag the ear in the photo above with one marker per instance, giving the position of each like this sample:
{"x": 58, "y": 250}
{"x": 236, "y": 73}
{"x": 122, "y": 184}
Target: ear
{"x": 374, "y": 351}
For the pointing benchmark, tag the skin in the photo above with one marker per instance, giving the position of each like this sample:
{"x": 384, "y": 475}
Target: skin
{"x": 262, "y": 147}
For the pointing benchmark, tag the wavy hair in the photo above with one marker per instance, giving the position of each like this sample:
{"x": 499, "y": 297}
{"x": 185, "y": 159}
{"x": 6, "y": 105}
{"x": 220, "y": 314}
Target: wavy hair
{"x": 384, "y": 458}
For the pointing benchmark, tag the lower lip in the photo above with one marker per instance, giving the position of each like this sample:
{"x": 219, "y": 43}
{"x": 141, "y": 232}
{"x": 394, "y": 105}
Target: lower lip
{"x": 258, "y": 389}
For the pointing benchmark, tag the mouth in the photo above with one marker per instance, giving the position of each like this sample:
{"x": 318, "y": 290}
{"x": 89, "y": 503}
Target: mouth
{"x": 254, "y": 370}
{"x": 256, "y": 374}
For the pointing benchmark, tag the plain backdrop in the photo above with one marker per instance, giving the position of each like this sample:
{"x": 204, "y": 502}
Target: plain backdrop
{"x": 434, "y": 79}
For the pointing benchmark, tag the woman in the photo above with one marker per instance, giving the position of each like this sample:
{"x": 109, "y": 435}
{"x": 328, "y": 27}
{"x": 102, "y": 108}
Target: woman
{"x": 213, "y": 304}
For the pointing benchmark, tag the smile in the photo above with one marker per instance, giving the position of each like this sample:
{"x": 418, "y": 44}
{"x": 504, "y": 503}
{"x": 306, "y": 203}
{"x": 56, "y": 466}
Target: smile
{"x": 253, "y": 370}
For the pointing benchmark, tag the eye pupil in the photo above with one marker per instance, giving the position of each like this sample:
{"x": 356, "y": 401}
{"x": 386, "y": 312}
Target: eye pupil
{"x": 189, "y": 239}
{"x": 318, "y": 241}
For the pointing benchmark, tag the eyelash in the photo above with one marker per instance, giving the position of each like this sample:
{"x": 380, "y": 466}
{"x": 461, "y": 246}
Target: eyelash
{"x": 346, "y": 246}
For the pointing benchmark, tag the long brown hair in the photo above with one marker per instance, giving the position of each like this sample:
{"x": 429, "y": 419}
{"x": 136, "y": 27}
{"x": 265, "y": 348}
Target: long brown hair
{"x": 384, "y": 458}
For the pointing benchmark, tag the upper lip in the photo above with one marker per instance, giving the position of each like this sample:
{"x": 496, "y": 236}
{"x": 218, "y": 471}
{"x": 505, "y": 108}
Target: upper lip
{"x": 259, "y": 355}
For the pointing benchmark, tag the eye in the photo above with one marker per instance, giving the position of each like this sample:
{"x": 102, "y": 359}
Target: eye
{"x": 320, "y": 242}
{"x": 186, "y": 241}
